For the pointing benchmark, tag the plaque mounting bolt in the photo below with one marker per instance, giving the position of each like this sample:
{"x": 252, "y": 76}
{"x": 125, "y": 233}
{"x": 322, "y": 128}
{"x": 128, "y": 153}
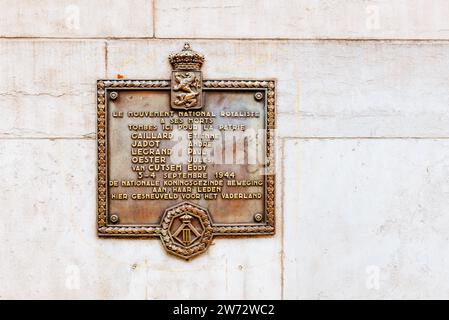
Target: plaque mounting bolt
{"x": 113, "y": 95}
{"x": 258, "y": 217}
{"x": 114, "y": 218}
{"x": 258, "y": 96}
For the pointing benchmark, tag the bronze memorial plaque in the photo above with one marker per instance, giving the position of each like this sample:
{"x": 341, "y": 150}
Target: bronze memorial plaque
{"x": 185, "y": 159}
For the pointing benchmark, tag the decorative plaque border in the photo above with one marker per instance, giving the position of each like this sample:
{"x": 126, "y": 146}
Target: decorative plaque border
{"x": 106, "y": 229}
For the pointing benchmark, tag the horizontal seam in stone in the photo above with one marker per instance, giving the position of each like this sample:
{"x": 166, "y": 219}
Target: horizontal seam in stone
{"x": 362, "y": 138}
{"x": 49, "y": 138}
{"x": 393, "y": 40}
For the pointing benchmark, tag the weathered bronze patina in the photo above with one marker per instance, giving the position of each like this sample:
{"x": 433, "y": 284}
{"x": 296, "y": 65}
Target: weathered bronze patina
{"x": 185, "y": 159}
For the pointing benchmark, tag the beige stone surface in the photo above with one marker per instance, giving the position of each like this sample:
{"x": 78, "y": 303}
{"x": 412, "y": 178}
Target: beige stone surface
{"x": 76, "y": 18}
{"x": 324, "y": 89}
{"x": 48, "y": 87}
{"x": 366, "y": 218}
{"x": 50, "y": 248}
{"x": 307, "y": 19}
{"x": 365, "y": 88}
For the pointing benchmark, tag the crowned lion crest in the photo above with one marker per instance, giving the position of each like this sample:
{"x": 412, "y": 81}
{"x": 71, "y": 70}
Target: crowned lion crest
{"x": 186, "y": 88}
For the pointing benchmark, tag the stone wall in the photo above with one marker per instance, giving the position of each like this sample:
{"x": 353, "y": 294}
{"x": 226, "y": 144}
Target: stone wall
{"x": 363, "y": 149}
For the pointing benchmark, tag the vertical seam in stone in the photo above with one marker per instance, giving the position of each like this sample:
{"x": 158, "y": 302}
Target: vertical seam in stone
{"x": 282, "y": 216}
{"x": 153, "y": 4}
{"x": 106, "y": 59}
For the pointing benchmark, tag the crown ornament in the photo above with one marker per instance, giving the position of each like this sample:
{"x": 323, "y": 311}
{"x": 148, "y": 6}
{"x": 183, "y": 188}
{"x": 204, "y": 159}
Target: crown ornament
{"x": 186, "y": 218}
{"x": 187, "y": 59}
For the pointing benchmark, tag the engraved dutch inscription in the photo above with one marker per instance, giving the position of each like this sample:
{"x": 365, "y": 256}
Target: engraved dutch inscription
{"x": 186, "y": 159}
